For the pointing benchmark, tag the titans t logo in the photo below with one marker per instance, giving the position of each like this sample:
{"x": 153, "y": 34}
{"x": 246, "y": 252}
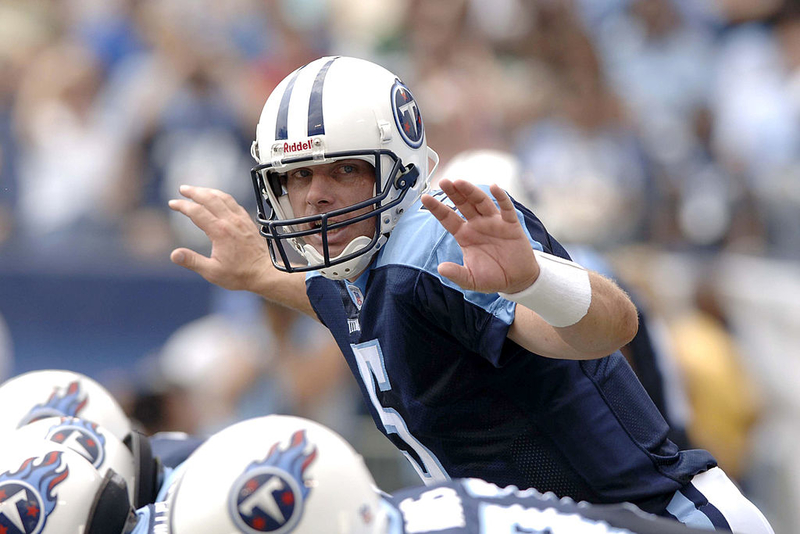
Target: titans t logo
{"x": 80, "y": 436}
{"x": 27, "y": 495}
{"x": 407, "y": 115}
{"x": 269, "y": 495}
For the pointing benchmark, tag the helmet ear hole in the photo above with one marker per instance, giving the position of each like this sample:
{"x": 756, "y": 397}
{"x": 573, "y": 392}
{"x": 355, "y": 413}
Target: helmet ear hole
{"x": 274, "y": 180}
{"x": 111, "y": 510}
{"x": 408, "y": 178}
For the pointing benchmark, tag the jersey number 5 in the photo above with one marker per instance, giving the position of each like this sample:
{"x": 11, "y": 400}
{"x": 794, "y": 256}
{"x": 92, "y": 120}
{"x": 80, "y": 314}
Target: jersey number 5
{"x": 372, "y": 368}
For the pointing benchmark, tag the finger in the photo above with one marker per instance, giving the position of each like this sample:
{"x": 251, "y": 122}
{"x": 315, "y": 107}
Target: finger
{"x": 198, "y": 213}
{"x": 216, "y": 201}
{"x": 191, "y": 260}
{"x": 476, "y": 197}
{"x": 447, "y": 217}
{"x": 507, "y": 210}
{"x": 458, "y": 198}
{"x": 457, "y": 273}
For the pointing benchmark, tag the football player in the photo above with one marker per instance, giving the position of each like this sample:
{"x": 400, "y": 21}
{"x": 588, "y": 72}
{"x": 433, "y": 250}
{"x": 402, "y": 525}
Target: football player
{"x": 480, "y": 348}
{"x": 288, "y": 474}
{"x": 277, "y": 474}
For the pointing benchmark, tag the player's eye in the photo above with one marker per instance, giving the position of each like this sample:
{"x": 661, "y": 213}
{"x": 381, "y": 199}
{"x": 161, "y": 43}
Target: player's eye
{"x": 301, "y": 173}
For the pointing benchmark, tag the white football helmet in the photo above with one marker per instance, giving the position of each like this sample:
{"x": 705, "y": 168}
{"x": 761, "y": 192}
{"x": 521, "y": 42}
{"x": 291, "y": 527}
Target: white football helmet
{"x": 331, "y": 109}
{"x": 47, "y": 393}
{"x": 42, "y": 394}
{"x": 276, "y": 474}
{"x": 99, "y": 446}
{"x": 47, "y": 488}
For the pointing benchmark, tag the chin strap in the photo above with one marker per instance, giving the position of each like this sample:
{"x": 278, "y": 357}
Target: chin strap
{"x": 349, "y": 268}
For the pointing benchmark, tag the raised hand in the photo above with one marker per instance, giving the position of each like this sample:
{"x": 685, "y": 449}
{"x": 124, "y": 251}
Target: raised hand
{"x": 497, "y": 253}
{"x": 239, "y": 255}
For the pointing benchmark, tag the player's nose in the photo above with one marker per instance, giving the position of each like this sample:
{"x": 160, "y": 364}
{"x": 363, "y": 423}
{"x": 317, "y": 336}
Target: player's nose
{"x": 321, "y": 190}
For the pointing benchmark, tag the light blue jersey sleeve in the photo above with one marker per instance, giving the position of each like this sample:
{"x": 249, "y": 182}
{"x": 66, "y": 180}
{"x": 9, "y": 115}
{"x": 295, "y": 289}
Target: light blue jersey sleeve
{"x": 171, "y": 477}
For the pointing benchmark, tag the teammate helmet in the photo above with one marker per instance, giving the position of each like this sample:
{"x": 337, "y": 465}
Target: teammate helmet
{"x": 275, "y": 474}
{"x": 489, "y": 166}
{"x": 42, "y": 394}
{"x": 99, "y": 446}
{"x": 47, "y": 488}
{"x": 331, "y": 109}
{"x": 47, "y": 393}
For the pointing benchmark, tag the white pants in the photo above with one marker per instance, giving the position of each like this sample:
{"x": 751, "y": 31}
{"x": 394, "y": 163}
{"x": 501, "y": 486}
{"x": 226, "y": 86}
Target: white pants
{"x": 712, "y": 501}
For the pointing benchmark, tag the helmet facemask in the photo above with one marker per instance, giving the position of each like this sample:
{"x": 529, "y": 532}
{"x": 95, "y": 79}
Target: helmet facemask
{"x": 287, "y": 234}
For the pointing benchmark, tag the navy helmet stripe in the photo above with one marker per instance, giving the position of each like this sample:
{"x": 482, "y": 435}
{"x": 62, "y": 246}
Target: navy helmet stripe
{"x": 316, "y": 122}
{"x": 701, "y": 503}
{"x": 281, "y": 124}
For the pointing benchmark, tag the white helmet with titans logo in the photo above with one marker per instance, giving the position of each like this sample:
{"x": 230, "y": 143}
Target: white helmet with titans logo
{"x": 275, "y": 474}
{"x": 48, "y": 488}
{"x": 54, "y": 392}
{"x": 331, "y": 109}
{"x": 100, "y": 447}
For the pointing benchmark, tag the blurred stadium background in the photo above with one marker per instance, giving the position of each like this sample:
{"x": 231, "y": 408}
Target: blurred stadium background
{"x": 665, "y": 134}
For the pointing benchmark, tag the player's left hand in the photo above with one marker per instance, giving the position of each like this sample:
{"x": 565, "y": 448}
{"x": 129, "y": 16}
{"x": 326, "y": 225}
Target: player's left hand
{"x": 497, "y": 253}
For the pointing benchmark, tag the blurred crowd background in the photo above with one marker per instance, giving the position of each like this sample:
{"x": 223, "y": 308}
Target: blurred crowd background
{"x": 662, "y": 134}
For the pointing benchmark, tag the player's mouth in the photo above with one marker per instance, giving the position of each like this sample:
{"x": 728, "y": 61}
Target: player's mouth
{"x": 332, "y": 234}
{"x": 337, "y": 238}
{"x": 316, "y": 225}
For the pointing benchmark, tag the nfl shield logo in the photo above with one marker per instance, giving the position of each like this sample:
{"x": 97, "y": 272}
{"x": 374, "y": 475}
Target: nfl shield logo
{"x": 356, "y": 295}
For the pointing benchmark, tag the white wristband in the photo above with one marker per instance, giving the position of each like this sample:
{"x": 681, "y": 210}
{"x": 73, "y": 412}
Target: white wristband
{"x": 561, "y": 294}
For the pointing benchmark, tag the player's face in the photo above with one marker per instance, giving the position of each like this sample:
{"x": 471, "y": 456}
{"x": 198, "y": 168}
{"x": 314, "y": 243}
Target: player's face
{"x": 322, "y": 188}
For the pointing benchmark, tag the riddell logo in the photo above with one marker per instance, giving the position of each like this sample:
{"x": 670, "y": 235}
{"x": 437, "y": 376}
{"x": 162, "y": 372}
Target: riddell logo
{"x": 297, "y": 146}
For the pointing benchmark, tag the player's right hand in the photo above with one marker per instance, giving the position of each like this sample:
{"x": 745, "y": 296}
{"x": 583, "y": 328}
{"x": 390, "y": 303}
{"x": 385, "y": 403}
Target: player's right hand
{"x": 239, "y": 255}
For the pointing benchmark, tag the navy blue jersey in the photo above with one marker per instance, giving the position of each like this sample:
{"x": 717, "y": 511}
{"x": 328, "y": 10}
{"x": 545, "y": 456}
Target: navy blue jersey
{"x": 444, "y": 383}
{"x": 650, "y": 358}
{"x": 172, "y": 448}
{"x": 472, "y": 506}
